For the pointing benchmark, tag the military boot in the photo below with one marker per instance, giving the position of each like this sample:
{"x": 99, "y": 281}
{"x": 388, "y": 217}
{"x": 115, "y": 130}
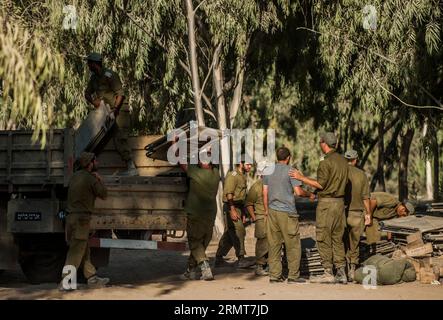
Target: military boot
{"x": 260, "y": 270}
{"x": 340, "y": 277}
{"x": 351, "y": 272}
{"x": 242, "y": 263}
{"x": 206, "y": 271}
{"x": 190, "y": 274}
{"x": 97, "y": 282}
{"x": 326, "y": 277}
{"x": 220, "y": 262}
{"x": 131, "y": 169}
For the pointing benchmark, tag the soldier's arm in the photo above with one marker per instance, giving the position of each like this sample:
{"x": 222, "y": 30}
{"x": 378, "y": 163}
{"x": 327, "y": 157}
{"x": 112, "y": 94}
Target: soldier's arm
{"x": 265, "y": 198}
{"x": 228, "y": 190}
{"x": 299, "y": 191}
{"x": 368, "y": 212}
{"x": 251, "y": 198}
{"x": 366, "y": 202}
{"x": 100, "y": 189}
{"x": 88, "y": 96}
{"x": 296, "y": 174}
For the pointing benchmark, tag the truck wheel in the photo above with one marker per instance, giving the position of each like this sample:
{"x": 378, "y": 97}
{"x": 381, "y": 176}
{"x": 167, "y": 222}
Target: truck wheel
{"x": 41, "y": 267}
{"x": 42, "y": 257}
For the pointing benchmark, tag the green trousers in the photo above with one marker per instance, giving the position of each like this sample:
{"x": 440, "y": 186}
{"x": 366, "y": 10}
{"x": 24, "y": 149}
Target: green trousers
{"x": 373, "y": 235}
{"x": 330, "y": 228}
{"x": 283, "y": 228}
{"x": 234, "y": 236}
{"x": 354, "y": 228}
{"x": 119, "y": 133}
{"x": 199, "y": 232}
{"x": 77, "y": 233}
{"x": 261, "y": 245}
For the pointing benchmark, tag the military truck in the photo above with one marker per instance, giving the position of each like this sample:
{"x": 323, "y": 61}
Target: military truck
{"x": 33, "y": 194}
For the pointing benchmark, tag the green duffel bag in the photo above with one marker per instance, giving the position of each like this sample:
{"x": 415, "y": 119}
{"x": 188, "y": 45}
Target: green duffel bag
{"x": 389, "y": 271}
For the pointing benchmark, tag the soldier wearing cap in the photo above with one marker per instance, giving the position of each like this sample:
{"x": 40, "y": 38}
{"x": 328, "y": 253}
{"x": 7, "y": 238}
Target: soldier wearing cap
{"x": 201, "y": 209}
{"x": 254, "y": 205}
{"x": 357, "y": 204}
{"x": 234, "y": 195}
{"x": 384, "y": 206}
{"x": 84, "y": 186}
{"x": 105, "y": 85}
{"x": 332, "y": 177}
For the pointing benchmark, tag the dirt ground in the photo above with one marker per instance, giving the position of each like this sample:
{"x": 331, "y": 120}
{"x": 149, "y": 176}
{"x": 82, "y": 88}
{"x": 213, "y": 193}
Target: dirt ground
{"x": 139, "y": 274}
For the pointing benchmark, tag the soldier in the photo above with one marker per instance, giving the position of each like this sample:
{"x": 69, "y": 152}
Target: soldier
{"x": 332, "y": 177}
{"x": 105, "y": 85}
{"x": 84, "y": 187}
{"x": 234, "y": 195}
{"x": 357, "y": 204}
{"x": 384, "y": 206}
{"x": 256, "y": 209}
{"x": 201, "y": 209}
{"x": 282, "y": 225}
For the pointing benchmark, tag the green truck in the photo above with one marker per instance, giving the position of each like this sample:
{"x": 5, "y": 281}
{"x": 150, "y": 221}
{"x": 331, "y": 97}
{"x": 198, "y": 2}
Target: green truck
{"x": 33, "y": 191}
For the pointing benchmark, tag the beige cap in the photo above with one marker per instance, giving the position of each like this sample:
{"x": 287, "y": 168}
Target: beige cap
{"x": 86, "y": 158}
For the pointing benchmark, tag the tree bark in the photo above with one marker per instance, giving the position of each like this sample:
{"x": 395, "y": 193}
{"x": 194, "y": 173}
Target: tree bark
{"x": 403, "y": 192}
{"x": 193, "y": 61}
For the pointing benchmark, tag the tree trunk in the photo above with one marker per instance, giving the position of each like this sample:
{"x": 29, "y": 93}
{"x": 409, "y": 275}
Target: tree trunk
{"x": 193, "y": 61}
{"x": 428, "y": 168}
{"x": 403, "y": 192}
{"x": 380, "y": 175}
{"x": 224, "y": 143}
{"x": 435, "y": 152}
{"x": 238, "y": 90}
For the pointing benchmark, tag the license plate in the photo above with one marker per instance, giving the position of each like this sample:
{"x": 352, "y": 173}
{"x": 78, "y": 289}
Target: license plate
{"x": 28, "y": 216}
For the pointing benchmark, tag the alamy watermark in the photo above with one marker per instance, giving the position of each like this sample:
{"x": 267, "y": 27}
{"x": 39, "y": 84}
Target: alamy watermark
{"x": 370, "y": 279}
{"x": 70, "y": 20}
{"x": 69, "y": 281}
{"x": 214, "y": 146}
{"x": 369, "y": 17}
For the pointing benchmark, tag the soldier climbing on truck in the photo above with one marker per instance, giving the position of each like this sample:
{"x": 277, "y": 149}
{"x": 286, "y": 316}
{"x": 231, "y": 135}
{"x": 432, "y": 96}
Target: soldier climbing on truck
{"x": 105, "y": 86}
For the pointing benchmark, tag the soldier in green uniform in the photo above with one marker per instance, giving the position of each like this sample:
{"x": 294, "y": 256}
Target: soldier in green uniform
{"x": 332, "y": 177}
{"x": 105, "y": 85}
{"x": 201, "y": 209}
{"x": 384, "y": 206}
{"x": 357, "y": 204}
{"x": 84, "y": 186}
{"x": 256, "y": 209}
{"x": 234, "y": 195}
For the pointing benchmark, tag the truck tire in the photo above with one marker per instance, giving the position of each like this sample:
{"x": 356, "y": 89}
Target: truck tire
{"x": 43, "y": 267}
{"x": 42, "y": 256}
